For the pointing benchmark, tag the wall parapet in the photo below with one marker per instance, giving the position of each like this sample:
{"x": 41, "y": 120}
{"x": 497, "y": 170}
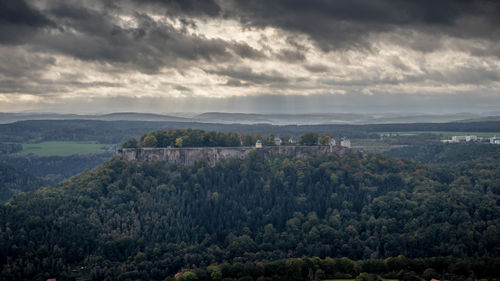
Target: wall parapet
{"x": 189, "y": 155}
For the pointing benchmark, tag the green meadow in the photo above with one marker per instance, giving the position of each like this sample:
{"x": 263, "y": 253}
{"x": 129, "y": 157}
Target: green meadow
{"x": 64, "y": 148}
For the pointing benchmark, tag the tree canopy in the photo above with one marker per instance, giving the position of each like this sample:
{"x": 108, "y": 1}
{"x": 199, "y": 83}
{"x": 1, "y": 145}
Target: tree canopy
{"x": 152, "y": 220}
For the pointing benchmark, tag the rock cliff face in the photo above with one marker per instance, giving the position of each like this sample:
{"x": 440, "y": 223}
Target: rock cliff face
{"x": 189, "y": 155}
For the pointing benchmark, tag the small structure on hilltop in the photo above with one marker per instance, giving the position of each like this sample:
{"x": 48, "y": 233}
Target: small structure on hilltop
{"x": 458, "y": 138}
{"x": 471, "y": 138}
{"x": 258, "y": 144}
{"x": 292, "y": 140}
{"x": 277, "y": 141}
{"x": 333, "y": 142}
{"x": 345, "y": 143}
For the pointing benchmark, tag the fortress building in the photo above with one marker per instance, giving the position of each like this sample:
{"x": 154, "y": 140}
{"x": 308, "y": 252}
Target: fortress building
{"x": 189, "y": 155}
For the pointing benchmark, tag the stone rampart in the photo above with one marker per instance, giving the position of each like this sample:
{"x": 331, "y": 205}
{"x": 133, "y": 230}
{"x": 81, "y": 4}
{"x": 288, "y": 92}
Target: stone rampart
{"x": 189, "y": 155}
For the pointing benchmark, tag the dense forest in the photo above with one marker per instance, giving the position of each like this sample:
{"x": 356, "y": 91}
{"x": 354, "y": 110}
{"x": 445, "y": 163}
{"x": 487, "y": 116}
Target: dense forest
{"x": 55, "y": 168}
{"x": 185, "y": 138}
{"x": 441, "y": 153}
{"x": 13, "y": 181}
{"x": 150, "y": 221}
{"x": 7, "y": 148}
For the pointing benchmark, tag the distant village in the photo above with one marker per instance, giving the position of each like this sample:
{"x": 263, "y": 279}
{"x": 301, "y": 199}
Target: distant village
{"x": 462, "y": 139}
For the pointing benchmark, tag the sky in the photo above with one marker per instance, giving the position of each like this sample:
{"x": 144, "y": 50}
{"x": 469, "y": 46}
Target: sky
{"x": 280, "y": 56}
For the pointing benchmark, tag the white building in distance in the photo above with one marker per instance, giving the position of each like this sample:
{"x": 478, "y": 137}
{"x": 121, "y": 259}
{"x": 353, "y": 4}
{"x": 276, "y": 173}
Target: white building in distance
{"x": 345, "y": 143}
{"x": 495, "y": 140}
{"x": 457, "y": 139}
{"x": 258, "y": 144}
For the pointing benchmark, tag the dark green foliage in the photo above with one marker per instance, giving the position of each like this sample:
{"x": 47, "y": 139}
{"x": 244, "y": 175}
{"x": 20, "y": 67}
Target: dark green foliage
{"x": 131, "y": 143}
{"x": 309, "y": 269}
{"x": 7, "y": 148}
{"x": 13, "y": 181}
{"x": 187, "y": 138}
{"x": 55, "y": 168}
{"x": 439, "y": 153}
{"x": 200, "y": 138}
{"x": 148, "y": 221}
{"x": 308, "y": 139}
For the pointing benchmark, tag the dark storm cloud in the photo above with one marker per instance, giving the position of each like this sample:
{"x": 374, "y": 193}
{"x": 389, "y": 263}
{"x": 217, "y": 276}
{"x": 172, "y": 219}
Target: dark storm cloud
{"x": 246, "y": 51}
{"x": 291, "y": 56}
{"x": 18, "y": 21}
{"x": 148, "y": 46}
{"x": 317, "y": 68}
{"x": 20, "y": 13}
{"x": 348, "y": 23}
{"x": 186, "y": 7}
{"x": 248, "y": 76}
{"x": 96, "y": 34}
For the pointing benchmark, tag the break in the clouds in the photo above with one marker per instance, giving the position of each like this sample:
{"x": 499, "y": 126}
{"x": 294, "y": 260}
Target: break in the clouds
{"x": 244, "y": 55}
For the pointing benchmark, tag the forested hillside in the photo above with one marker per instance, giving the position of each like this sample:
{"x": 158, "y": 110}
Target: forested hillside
{"x": 13, "y": 181}
{"x": 444, "y": 153}
{"x": 149, "y": 220}
{"x": 55, "y": 168}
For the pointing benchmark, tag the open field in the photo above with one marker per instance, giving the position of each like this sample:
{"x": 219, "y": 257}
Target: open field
{"x": 372, "y": 145}
{"x": 64, "y": 148}
{"x": 444, "y": 134}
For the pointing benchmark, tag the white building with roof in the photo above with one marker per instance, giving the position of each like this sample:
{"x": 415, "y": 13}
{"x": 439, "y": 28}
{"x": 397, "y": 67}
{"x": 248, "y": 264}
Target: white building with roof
{"x": 258, "y": 144}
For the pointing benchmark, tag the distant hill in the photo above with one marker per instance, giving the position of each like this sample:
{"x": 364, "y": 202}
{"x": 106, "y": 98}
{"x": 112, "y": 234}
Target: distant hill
{"x": 328, "y": 118}
{"x": 113, "y": 132}
{"x": 481, "y": 119}
{"x": 254, "y": 118}
{"x": 119, "y": 116}
{"x": 283, "y": 119}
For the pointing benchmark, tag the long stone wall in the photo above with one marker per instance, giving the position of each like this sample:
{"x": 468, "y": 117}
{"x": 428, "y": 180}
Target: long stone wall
{"x": 189, "y": 155}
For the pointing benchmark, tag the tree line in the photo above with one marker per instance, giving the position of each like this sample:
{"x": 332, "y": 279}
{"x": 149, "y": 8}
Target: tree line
{"x": 317, "y": 269}
{"x": 202, "y": 138}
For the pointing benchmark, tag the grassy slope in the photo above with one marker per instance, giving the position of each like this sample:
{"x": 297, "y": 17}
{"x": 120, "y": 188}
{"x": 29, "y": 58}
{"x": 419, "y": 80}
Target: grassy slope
{"x": 63, "y": 148}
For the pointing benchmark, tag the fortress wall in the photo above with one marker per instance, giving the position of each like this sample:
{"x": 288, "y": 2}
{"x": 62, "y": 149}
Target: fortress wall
{"x": 189, "y": 155}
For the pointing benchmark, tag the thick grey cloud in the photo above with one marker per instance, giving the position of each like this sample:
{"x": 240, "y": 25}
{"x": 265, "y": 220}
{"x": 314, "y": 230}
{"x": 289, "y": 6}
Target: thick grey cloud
{"x": 186, "y": 7}
{"x": 349, "y": 23}
{"x": 248, "y": 76}
{"x": 275, "y": 53}
{"x": 19, "y": 21}
{"x": 93, "y": 34}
